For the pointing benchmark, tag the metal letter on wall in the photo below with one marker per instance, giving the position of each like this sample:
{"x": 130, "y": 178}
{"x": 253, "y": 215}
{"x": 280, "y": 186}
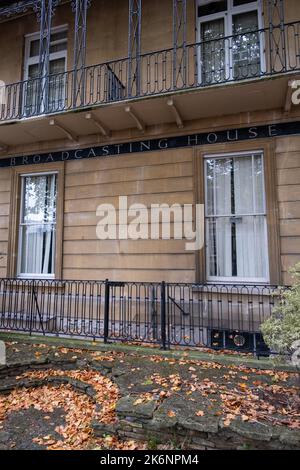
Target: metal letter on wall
{"x": 277, "y": 39}
{"x": 179, "y": 43}
{"x": 45, "y": 11}
{"x": 80, "y": 8}
{"x": 134, "y": 47}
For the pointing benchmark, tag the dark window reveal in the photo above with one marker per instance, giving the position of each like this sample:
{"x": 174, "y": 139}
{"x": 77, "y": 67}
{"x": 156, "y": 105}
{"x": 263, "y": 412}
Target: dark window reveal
{"x": 237, "y": 3}
{"x": 212, "y": 8}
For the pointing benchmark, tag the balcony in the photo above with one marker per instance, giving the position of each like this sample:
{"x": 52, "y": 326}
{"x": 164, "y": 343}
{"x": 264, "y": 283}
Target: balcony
{"x": 203, "y": 69}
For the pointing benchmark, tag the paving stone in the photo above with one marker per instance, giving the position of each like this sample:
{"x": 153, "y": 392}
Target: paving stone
{"x": 4, "y": 437}
{"x": 100, "y": 429}
{"x": 290, "y": 437}
{"x": 126, "y": 407}
{"x": 256, "y": 431}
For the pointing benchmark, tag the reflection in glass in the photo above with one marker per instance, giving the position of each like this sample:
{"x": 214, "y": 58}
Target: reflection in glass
{"x": 213, "y": 51}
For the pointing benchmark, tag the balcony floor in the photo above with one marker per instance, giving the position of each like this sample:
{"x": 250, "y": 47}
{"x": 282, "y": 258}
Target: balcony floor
{"x": 220, "y": 100}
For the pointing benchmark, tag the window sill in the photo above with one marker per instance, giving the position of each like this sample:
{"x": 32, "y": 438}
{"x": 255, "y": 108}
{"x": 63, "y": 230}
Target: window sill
{"x": 39, "y": 277}
{"x": 233, "y": 289}
{"x": 232, "y": 282}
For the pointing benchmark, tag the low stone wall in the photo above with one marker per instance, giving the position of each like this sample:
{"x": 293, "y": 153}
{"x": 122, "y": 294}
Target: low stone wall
{"x": 146, "y": 422}
{"x": 149, "y": 421}
{"x": 19, "y": 368}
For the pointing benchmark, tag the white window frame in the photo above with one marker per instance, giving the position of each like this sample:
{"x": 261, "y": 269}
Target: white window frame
{"x": 28, "y": 61}
{"x": 235, "y": 279}
{"x": 227, "y": 15}
{"x": 21, "y": 224}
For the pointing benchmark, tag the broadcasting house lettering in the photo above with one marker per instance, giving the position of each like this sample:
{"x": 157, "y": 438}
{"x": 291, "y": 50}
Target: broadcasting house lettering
{"x": 232, "y": 135}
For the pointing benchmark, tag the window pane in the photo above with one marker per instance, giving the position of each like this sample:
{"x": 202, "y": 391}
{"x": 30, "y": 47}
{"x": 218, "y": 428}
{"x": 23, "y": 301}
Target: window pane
{"x": 259, "y": 196}
{"x": 213, "y": 51}
{"x": 219, "y": 247}
{"x": 61, "y": 46}
{"x": 243, "y": 186}
{"x": 56, "y": 84}
{"x": 58, "y": 43}
{"x": 239, "y": 249}
{"x": 34, "y": 48}
{"x": 33, "y": 71}
{"x": 246, "y": 45}
{"x": 38, "y": 246}
{"x": 31, "y": 89}
{"x": 39, "y": 199}
{"x": 59, "y": 35}
{"x": 57, "y": 66}
{"x": 223, "y": 186}
{"x": 219, "y": 186}
{"x": 210, "y": 172}
{"x": 251, "y": 248}
{"x": 249, "y": 195}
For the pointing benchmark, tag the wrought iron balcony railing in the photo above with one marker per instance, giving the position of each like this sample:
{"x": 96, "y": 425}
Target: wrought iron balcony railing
{"x": 244, "y": 56}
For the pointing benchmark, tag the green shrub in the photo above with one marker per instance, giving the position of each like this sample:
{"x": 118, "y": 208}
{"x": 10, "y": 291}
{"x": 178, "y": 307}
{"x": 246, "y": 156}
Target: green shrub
{"x": 282, "y": 329}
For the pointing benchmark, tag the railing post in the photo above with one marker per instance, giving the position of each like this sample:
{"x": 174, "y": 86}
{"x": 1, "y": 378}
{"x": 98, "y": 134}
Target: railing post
{"x": 45, "y": 11}
{"x": 179, "y": 43}
{"x": 277, "y": 42}
{"x": 80, "y": 8}
{"x": 163, "y": 323}
{"x": 106, "y": 311}
{"x": 31, "y": 308}
{"x": 154, "y": 312}
{"x": 134, "y": 48}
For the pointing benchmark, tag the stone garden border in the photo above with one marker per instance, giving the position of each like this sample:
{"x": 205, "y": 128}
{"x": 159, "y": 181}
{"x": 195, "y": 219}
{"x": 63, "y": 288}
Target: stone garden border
{"x": 146, "y": 421}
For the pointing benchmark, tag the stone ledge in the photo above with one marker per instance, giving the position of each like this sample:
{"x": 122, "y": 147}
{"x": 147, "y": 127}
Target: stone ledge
{"x": 126, "y": 407}
{"x": 146, "y": 421}
{"x": 223, "y": 440}
{"x": 18, "y": 368}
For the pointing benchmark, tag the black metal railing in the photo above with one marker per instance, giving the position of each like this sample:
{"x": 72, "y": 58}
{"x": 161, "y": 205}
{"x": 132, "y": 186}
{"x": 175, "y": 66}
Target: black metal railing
{"x": 243, "y": 56}
{"x": 166, "y": 314}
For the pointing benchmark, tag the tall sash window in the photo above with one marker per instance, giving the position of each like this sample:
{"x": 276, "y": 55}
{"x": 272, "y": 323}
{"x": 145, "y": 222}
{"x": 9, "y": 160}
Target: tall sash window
{"x": 236, "y": 221}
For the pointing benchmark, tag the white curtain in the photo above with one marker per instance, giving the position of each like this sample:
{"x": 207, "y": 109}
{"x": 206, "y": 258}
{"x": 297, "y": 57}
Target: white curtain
{"x": 32, "y": 250}
{"x": 219, "y": 228}
{"x": 49, "y": 238}
{"x": 223, "y": 225}
{"x": 251, "y": 229}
